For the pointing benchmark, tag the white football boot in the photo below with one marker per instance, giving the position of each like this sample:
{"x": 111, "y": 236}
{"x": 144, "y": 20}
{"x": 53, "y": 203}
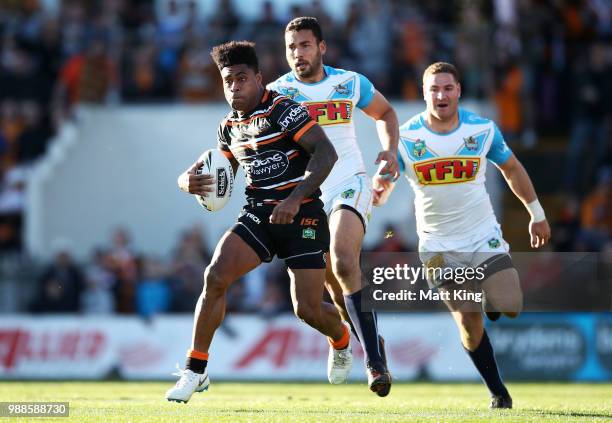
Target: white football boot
{"x": 188, "y": 383}
{"x": 339, "y": 364}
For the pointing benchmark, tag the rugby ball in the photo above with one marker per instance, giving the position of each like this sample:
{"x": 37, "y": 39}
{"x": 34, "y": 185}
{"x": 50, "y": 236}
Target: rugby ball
{"x": 216, "y": 164}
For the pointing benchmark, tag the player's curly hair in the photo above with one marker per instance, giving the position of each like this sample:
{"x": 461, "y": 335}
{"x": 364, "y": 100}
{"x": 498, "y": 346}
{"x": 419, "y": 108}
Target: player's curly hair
{"x": 306, "y": 22}
{"x": 235, "y": 53}
{"x": 441, "y": 67}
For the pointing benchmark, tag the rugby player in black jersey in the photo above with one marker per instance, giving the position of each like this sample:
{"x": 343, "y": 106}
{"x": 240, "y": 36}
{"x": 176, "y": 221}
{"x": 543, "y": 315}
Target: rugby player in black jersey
{"x": 286, "y": 156}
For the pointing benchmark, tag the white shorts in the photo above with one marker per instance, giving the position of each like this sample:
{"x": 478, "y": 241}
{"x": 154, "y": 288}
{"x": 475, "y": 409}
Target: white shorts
{"x": 467, "y": 252}
{"x": 354, "y": 193}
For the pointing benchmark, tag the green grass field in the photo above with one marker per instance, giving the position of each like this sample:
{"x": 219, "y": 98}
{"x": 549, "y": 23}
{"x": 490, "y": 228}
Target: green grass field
{"x": 280, "y": 402}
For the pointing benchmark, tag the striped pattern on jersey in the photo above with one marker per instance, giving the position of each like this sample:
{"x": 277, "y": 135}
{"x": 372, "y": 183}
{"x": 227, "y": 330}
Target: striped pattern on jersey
{"x": 264, "y": 143}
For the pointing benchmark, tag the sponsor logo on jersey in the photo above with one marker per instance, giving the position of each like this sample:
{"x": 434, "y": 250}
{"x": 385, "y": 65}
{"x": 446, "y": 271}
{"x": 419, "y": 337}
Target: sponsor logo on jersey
{"x": 419, "y": 149}
{"x": 471, "y": 143}
{"x": 221, "y": 182}
{"x": 494, "y": 243}
{"x": 267, "y": 165}
{"x": 309, "y": 233}
{"x": 293, "y": 116}
{"x": 309, "y": 221}
{"x": 448, "y": 170}
{"x": 253, "y": 217}
{"x": 349, "y": 193}
{"x": 331, "y": 112}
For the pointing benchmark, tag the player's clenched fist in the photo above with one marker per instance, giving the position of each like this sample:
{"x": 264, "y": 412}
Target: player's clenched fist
{"x": 284, "y": 212}
{"x": 193, "y": 183}
{"x": 539, "y": 232}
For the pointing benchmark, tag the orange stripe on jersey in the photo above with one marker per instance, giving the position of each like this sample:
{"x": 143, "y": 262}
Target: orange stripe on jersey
{"x": 286, "y": 186}
{"x": 291, "y": 156}
{"x": 302, "y": 131}
{"x": 248, "y": 120}
{"x": 227, "y": 154}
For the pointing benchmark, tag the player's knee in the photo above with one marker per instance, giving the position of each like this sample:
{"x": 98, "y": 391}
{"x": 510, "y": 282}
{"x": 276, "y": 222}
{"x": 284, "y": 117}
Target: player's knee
{"x": 344, "y": 264}
{"x": 215, "y": 281}
{"x": 305, "y": 312}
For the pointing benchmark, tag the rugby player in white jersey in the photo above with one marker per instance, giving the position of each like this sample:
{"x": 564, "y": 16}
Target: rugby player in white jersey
{"x": 444, "y": 153}
{"x": 331, "y": 96}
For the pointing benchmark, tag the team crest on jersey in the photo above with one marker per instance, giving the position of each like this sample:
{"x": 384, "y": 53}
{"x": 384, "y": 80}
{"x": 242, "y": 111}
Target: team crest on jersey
{"x": 309, "y": 233}
{"x": 291, "y": 92}
{"x": 447, "y": 170}
{"x": 419, "y": 149}
{"x": 349, "y": 193}
{"x": 471, "y": 143}
{"x": 341, "y": 89}
{"x": 494, "y": 243}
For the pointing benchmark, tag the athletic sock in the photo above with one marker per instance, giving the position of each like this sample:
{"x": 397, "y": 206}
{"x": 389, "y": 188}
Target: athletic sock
{"x": 364, "y": 323}
{"x": 484, "y": 360}
{"x": 343, "y": 342}
{"x": 196, "y": 361}
{"x": 353, "y": 331}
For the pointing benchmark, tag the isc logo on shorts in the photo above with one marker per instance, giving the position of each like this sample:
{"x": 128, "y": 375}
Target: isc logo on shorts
{"x": 330, "y": 112}
{"x": 447, "y": 170}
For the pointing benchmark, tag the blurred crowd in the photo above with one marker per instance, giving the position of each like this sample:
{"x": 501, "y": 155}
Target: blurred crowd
{"x": 120, "y": 279}
{"x": 545, "y": 64}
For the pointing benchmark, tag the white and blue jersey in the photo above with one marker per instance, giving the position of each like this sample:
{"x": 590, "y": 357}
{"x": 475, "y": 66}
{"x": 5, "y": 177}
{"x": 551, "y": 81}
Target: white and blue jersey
{"x": 447, "y": 173}
{"x": 331, "y": 103}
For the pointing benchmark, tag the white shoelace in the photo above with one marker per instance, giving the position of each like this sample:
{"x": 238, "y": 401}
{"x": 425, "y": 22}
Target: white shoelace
{"x": 189, "y": 376}
{"x": 341, "y": 357}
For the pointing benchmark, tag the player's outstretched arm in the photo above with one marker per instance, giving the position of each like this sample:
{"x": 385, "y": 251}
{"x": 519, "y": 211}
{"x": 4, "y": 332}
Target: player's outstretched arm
{"x": 387, "y": 127}
{"x": 322, "y": 159}
{"x": 517, "y": 178}
{"x": 382, "y": 188}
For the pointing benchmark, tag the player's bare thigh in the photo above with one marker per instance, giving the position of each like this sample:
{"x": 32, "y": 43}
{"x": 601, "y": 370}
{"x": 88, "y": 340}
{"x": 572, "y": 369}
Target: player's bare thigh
{"x": 347, "y": 232}
{"x": 232, "y": 259}
{"x": 503, "y": 291}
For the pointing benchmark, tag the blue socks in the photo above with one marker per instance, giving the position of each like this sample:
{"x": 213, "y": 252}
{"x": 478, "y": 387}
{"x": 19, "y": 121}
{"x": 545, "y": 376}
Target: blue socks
{"x": 484, "y": 360}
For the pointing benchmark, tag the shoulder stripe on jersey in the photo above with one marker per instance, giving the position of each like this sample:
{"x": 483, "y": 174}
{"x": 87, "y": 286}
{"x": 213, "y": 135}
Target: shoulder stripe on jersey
{"x": 302, "y": 131}
{"x": 261, "y": 113}
{"x": 227, "y": 154}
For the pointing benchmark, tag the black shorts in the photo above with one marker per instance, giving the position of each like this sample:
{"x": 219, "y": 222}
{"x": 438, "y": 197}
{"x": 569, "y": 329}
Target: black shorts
{"x": 302, "y": 244}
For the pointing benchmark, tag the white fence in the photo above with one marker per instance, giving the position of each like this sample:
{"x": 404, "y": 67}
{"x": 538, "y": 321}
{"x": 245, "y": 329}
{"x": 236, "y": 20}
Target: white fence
{"x": 244, "y": 348}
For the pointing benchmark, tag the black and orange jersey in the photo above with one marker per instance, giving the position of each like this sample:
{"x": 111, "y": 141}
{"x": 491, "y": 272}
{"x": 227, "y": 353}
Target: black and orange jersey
{"x": 264, "y": 143}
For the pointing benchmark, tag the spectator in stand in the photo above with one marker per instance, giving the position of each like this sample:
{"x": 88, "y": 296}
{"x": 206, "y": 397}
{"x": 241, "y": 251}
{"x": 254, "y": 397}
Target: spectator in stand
{"x": 592, "y": 89}
{"x": 596, "y": 213}
{"x": 143, "y": 78}
{"x": 88, "y": 77}
{"x": 125, "y": 268}
{"x": 198, "y": 76}
{"x": 60, "y": 286}
{"x": 97, "y": 297}
{"x": 153, "y": 294}
{"x": 190, "y": 257}
{"x": 11, "y": 209}
{"x": 32, "y": 141}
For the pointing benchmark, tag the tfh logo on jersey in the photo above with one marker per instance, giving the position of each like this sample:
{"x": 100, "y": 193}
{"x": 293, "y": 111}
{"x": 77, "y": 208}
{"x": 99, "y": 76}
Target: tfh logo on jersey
{"x": 267, "y": 165}
{"x": 330, "y": 112}
{"x": 447, "y": 170}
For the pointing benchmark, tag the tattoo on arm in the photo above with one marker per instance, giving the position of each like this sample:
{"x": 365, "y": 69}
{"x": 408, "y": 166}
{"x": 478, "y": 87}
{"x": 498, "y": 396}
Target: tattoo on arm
{"x": 322, "y": 159}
